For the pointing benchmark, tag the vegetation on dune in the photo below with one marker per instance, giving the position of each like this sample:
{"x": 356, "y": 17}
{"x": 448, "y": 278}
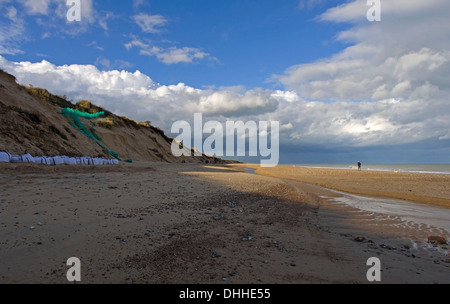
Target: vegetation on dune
{"x": 109, "y": 121}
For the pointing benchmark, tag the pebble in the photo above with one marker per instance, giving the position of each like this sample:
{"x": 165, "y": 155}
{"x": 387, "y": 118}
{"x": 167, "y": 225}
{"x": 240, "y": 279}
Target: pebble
{"x": 437, "y": 240}
{"x": 359, "y": 239}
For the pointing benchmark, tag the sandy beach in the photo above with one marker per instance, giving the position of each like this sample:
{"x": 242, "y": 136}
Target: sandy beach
{"x": 160, "y": 223}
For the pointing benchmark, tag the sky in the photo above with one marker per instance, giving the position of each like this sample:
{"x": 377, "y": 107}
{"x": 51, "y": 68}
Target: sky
{"x": 344, "y": 89}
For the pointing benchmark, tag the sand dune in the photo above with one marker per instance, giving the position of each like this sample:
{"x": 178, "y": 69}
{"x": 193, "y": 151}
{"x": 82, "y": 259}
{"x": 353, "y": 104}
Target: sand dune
{"x": 32, "y": 122}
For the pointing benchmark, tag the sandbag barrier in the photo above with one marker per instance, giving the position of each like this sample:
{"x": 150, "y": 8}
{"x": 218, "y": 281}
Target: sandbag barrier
{"x": 5, "y": 157}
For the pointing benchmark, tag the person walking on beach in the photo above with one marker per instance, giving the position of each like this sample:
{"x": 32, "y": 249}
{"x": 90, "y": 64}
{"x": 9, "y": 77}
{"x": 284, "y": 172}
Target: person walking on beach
{"x": 359, "y": 166}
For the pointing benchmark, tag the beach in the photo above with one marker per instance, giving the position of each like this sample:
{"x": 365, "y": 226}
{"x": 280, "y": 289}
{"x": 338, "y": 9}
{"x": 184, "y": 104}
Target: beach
{"x": 161, "y": 223}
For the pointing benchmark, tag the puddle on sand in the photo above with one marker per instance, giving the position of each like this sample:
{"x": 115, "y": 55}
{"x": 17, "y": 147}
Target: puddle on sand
{"x": 410, "y": 214}
{"x": 250, "y": 170}
{"x": 390, "y": 214}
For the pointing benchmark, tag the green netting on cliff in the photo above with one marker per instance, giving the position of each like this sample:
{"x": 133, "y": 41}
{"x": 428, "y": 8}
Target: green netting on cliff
{"x": 77, "y": 124}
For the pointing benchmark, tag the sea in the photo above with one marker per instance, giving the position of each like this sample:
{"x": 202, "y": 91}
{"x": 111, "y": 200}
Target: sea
{"x": 407, "y": 168}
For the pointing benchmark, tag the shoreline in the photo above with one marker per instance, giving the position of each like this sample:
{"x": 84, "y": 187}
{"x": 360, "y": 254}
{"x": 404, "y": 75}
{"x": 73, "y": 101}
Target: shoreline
{"x": 430, "y": 189}
{"x": 349, "y": 167}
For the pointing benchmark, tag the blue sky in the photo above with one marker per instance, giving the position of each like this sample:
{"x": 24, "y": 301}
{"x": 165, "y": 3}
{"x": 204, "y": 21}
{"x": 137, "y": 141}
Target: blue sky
{"x": 341, "y": 87}
{"x": 244, "y": 42}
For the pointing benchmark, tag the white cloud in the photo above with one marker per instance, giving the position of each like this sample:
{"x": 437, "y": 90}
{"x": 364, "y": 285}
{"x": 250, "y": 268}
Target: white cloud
{"x": 353, "y": 75}
{"x": 174, "y": 55}
{"x": 386, "y": 88}
{"x": 48, "y": 7}
{"x": 357, "y": 124}
{"x": 405, "y": 58}
{"x": 230, "y": 103}
{"x": 138, "y": 3}
{"x": 171, "y": 55}
{"x": 150, "y": 23}
{"x": 12, "y": 33}
{"x": 51, "y": 16}
{"x": 308, "y": 4}
{"x": 35, "y": 7}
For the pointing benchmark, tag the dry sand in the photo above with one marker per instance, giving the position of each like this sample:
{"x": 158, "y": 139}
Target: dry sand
{"x": 158, "y": 223}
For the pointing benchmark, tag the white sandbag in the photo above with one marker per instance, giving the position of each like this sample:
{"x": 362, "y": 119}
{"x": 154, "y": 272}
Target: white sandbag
{"x": 27, "y": 158}
{"x": 43, "y": 160}
{"x": 49, "y": 161}
{"x": 69, "y": 160}
{"x": 5, "y": 157}
{"x": 16, "y": 159}
{"x": 97, "y": 161}
{"x": 58, "y": 160}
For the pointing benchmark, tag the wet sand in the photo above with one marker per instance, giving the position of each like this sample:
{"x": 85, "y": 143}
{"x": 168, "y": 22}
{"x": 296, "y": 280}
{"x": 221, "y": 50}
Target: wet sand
{"x": 158, "y": 223}
{"x": 423, "y": 188}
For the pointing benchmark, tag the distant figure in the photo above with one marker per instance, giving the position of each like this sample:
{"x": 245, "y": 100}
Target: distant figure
{"x": 359, "y": 166}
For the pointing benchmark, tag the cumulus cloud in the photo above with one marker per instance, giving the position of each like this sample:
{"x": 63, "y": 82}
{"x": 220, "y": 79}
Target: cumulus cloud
{"x": 407, "y": 49}
{"x": 388, "y": 86}
{"x": 137, "y": 95}
{"x": 354, "y": 75}
{"x": 231, "y": 103}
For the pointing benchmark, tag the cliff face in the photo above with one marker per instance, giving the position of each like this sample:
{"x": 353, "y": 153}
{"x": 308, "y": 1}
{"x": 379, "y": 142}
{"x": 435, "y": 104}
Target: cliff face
{"x": 31, "y": 122}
